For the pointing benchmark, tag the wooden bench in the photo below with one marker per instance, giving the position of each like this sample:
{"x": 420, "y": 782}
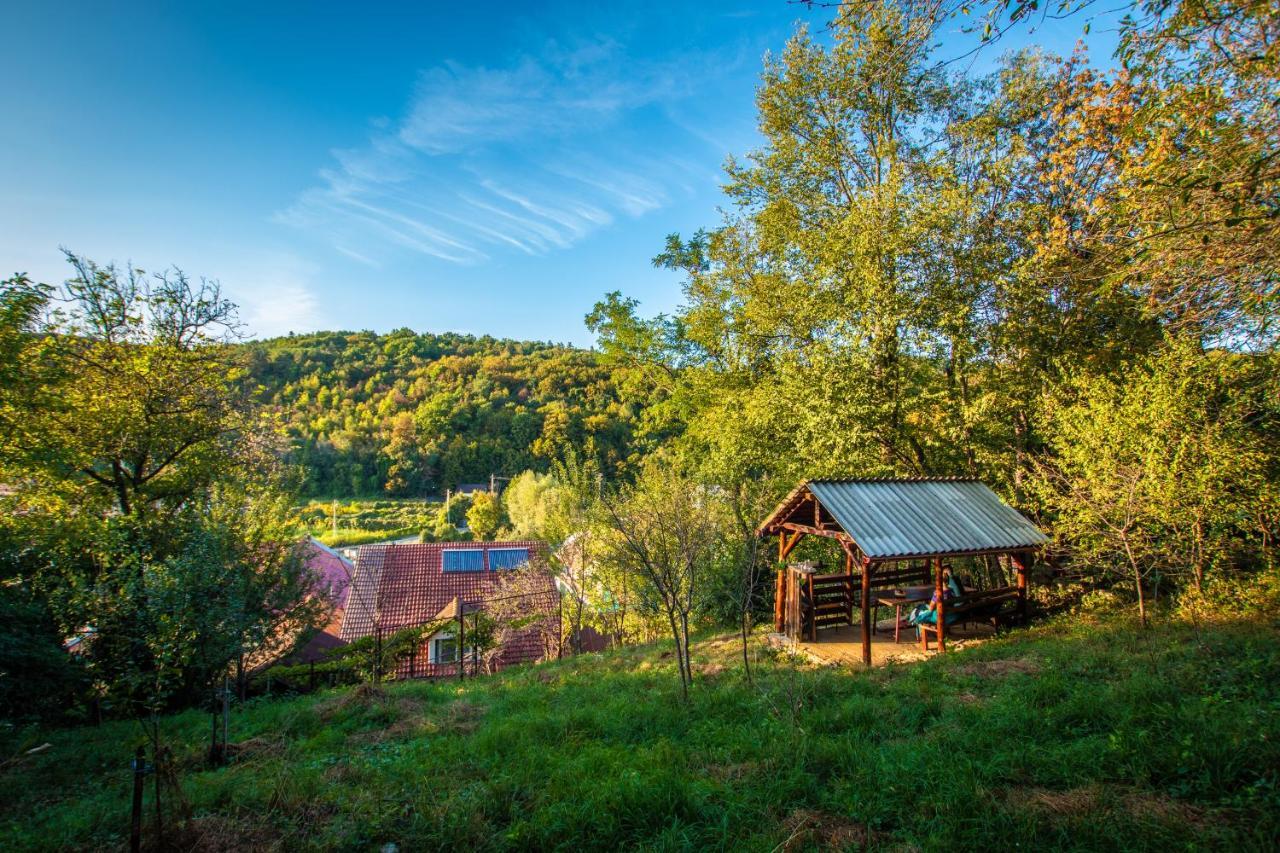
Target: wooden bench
{"x": 999, "y": 607}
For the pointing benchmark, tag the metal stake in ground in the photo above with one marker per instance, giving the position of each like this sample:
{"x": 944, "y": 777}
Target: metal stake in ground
{"x": 139, "y": 766}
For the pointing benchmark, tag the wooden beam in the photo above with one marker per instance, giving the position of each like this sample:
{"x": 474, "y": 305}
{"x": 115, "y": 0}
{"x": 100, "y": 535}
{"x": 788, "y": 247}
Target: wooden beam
{"x": 817, "y": 531}
{"x": 786, "y": 544}
{"x": 942, "y": 616}
{"x": 1021, "y": 562}
{"x": 866, "y": 612}
{"x": 848, "y": 570}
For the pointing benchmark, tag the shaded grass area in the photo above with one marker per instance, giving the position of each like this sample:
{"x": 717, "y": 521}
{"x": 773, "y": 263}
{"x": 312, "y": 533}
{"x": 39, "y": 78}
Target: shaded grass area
{"x": 1068, "y": 736}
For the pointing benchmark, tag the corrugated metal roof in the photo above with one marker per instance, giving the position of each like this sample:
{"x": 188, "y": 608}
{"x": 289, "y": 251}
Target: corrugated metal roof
{"x": 905, "y": 518}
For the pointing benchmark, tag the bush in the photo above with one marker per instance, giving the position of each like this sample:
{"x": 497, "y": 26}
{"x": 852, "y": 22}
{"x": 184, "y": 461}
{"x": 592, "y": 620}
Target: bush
{"x": 38, "y": 679}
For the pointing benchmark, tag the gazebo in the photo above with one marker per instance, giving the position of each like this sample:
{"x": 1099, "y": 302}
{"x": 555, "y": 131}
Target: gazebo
{"x": 882, "y": 525}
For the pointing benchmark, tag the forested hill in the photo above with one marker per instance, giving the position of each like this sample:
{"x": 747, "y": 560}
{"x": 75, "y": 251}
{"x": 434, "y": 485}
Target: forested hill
{"x": 413, "y": 414}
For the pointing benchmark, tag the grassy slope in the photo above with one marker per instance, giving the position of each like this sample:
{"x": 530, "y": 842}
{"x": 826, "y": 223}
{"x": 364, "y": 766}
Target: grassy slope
{"x": 1093, "y": 736}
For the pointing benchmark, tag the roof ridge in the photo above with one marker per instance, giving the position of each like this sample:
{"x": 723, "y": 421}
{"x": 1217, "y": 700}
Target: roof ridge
{"x": 947, "y": 479}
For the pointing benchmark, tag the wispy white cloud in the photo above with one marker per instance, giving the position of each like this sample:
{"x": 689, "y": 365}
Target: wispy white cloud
{"x": 276, "y": 297}
{"x": 531, "y": 157}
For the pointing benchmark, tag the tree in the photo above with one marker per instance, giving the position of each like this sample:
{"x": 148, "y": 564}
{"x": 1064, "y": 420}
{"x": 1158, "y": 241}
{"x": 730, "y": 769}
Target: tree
{"x": 663, "y": 534}
{"x": 484, "y": 516}
{"x": 524, "y": 605}
{"x": 528, "y": 502}
{"x": 1167, "y": 474}
{"x": 150, "y": 497}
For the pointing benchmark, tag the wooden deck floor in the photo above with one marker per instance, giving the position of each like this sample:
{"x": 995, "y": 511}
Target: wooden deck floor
{"x": 844, "y": 645}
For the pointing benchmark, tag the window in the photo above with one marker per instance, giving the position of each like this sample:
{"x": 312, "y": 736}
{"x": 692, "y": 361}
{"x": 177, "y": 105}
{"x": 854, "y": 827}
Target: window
{"x": 444, "y": 650}
{"x": 463, "y": 560}
{"x": 507, "y": 558}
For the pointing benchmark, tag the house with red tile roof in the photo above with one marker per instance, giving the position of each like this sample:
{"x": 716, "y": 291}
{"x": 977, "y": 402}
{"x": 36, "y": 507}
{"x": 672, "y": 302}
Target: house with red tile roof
{"x": 401, "y": 585}
{"x": 331, "y": 575}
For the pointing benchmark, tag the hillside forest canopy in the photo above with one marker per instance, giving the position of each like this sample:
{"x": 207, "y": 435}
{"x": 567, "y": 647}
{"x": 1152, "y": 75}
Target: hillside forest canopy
{"x": 1057, "y": 278}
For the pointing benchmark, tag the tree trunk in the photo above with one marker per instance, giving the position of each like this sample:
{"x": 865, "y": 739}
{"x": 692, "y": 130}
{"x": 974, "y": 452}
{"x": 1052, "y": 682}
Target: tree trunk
{"x": 675, "y": 636}
{"x": 1137, "y": 582}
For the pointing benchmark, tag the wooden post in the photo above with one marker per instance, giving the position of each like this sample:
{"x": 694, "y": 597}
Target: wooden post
{"x": 159, "y": 813}
{"x": 780, "y": 601}
{"x": 848, "y": 583}
{"x": 1020, "y": 562}
{"x": 462, "y": 629}
{"x": 813, "y": 608}
{"x": 941, "y": 612}
{"x": 785, "y": 546}
{"x": 866, "y": 611}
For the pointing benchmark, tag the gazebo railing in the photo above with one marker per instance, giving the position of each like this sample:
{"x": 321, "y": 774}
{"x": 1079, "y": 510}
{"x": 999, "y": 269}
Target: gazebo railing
{"x": 817, "y": 601}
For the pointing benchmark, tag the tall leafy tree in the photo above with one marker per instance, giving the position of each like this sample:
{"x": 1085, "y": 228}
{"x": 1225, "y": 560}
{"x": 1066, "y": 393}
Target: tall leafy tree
{"x": 149, "y": 495}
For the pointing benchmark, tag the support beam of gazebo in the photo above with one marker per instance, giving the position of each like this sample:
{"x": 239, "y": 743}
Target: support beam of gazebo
{"x": 1021, "y": 562}
{"x": 786, "y": 544}
{"x": 828, "y": 532}
{"x": 941, "y": 612}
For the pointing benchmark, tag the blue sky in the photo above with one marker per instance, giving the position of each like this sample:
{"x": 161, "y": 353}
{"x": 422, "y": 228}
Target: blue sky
{"x": 485, "y": 168}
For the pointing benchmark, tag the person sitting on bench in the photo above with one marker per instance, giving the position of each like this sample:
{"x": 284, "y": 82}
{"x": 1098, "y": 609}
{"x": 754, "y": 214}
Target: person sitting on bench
{"x": 927, "y": 614}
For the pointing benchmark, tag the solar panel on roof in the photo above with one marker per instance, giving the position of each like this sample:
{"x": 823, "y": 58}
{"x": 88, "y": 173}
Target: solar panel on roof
{"x": 508, "y": 558}
{"x": 462, "y": 560}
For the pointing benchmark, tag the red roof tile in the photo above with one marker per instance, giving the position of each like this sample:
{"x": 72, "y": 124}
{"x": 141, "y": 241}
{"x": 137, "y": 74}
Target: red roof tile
{"x": 400, "y": 585}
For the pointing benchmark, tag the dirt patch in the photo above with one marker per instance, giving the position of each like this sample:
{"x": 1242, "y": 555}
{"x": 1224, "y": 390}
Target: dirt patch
{"x": 1088, "y": 801}
{"x": 546, "y": 677}
{"x": 711, "y": 670}
{"x": 1148, "y": 804}
{"x": 462, "y": 717}
{"x": 968, "y": 698}
{"x": 808, "y": 828}
{"x": 731, "y": 772}
{"x": 363, "y": 696}
{"x": 216, "y": 833}
{"x": 1000, "y": 668}
{"x": 255, "y": 747}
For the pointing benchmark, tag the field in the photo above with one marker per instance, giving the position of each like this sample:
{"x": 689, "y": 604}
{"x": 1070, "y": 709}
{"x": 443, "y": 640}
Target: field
{"x": 363, "y": 521}
{"x": 1088, "y": 735}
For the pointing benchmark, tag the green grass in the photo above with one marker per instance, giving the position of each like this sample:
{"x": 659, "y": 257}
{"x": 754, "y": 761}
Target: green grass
{"x": 1082, "y": 735}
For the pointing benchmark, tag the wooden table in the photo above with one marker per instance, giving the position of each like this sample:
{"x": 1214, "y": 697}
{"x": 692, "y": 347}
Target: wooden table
{"x": 901, "y": 598}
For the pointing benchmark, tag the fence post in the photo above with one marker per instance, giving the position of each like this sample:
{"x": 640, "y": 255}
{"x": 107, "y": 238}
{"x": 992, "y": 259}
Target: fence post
{"x": 215, "y": 755}
{"x": 462, "y": 630}
{"x": 159, "y": 814}
{"x": 139, "y": 775}
{"x": 226, "y": 712}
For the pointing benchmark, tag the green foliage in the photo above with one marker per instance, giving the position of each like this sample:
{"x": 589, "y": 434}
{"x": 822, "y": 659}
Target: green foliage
{"x": 1042, "y": 273}
{"x": 414, "y": 414}
{"x": 149, "y": 512}
{"x": 38, "y": 678}
{"x": 484, "y": 517}
{"x": 528, "y": 502}
{"x": 1167, "y": 474}
{"x": 1067, "y": 736}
